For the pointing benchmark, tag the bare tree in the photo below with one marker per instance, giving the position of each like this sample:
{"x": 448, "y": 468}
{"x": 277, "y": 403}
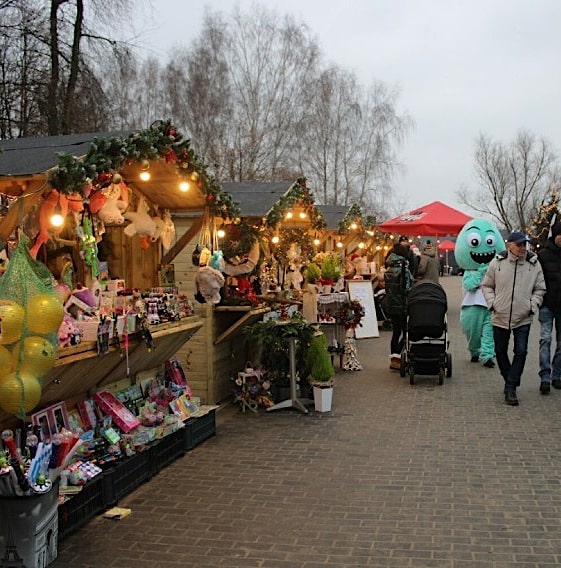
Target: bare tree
{"x": 50, "y": 64}
{"x": 514, "y": 179}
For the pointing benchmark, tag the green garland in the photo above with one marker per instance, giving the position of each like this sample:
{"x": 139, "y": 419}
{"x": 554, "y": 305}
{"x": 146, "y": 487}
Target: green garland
{"x": 288, "y": 236}
{"x": 297, "y": 194}
{"x": 354, "y": 215}
{"x": 106, "y": 156}
{"x": 238, "y": 241}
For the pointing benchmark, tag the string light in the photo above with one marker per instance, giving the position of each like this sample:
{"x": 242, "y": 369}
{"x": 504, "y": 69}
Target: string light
{"x": 289, "y": 215}
{"x": 317, "y": 242}
{"x": 184, "y": 186}
{"x": 221, "y": 233}
{"x": 57, "y": 219}
{"x": 275, "y": 240}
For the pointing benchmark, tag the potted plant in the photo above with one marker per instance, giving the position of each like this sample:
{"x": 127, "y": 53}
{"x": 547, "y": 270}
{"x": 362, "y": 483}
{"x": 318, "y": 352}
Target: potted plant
{"x": 321, "y": 372}
{"x": 312, "y": 273}
{"x": 272, "y": 340}
{"x": 330, "y": 271}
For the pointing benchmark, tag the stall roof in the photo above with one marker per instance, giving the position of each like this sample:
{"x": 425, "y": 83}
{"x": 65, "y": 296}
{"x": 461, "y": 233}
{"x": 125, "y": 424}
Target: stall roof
{"x": 24, "y": 157}
{"x": 25, "y": 164}
{"x": 333, "y": 215}
{"x": 256, "y": 198}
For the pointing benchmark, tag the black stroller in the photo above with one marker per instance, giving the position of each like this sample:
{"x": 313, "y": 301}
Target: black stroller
{"x": 426, "y": 341}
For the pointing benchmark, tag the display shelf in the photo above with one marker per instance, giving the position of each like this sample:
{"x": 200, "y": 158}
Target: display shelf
{"x": 76, "y": 511}
{"x": 166, "y": 450}
{"x": 199, "y": 429}
{"x": 126, "y": 476}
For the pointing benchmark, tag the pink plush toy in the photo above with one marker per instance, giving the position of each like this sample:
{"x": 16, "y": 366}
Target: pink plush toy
{"x": 209, "y": 283}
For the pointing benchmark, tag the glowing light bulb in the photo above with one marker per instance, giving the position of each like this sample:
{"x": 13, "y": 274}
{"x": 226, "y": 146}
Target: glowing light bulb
{"x": 275, "y": 240}
{"x": 221, "y": 233}
{"x": 184, "y": 186}
{"x": 144, "y": 176}
{"x": 339, "y": 244}
{"x": 360, "y": 245}
{"x": 57, "y": 220}
{"x": 317, "y": 242}
{"x": 289, "y": 215}
{"x": 302, "y": 215}
{"x": 354, "y": 226}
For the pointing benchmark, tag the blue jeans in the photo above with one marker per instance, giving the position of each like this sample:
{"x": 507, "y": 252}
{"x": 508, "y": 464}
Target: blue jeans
{"x": 549, "y": 369}
{"x": 511, "y": 371}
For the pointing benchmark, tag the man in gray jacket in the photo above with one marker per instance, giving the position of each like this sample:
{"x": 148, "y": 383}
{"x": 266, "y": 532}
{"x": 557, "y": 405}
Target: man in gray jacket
{"x": 514, "y": 288}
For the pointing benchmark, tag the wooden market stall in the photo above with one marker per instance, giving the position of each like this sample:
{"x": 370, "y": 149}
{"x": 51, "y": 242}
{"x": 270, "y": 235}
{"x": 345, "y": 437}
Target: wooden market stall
{"x": 84, "y": 170}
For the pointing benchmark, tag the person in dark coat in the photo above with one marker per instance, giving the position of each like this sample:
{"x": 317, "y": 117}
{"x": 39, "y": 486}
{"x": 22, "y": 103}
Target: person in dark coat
{"x": 550, "y": 312}
{"x": 398, "y": 279}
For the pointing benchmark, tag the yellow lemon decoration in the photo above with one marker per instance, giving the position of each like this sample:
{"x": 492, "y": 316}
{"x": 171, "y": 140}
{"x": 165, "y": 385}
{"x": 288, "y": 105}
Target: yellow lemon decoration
{"x": 44, "y": 313}
{"x": 35, "y": 356}
{"x": 6, "y": 363}
{"x": 19, "y": 395}
{"x": 11, "y": 321}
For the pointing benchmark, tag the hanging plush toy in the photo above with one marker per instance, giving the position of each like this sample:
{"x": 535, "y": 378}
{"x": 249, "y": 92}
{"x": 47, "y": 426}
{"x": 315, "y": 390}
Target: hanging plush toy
{"x": 110, "y": 203}
{"x": 477, "y": 244}
{"x": 209, "y": 282}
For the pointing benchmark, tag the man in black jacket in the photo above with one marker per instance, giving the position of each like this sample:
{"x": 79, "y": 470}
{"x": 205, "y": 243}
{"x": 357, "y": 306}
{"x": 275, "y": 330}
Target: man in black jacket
{"x": 550, "y": 312}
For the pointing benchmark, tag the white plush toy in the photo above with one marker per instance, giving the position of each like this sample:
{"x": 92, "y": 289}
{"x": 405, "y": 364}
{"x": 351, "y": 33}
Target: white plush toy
{"x": 114, "y": 205}
{"x": 141, "y": 223}
{"x": 209, "y": 282}
{"x": 167, "y": 233}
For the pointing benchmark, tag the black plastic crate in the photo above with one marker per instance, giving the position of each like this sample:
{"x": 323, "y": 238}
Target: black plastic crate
{"x": 203, "y": 427}
{"x": 166, "y": 450}
{"x": 125, "y": 477}
{"x": 75, "y": 512}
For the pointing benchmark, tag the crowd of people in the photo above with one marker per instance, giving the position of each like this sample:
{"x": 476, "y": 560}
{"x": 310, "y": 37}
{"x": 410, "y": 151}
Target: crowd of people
{"x": 511, "y": 287}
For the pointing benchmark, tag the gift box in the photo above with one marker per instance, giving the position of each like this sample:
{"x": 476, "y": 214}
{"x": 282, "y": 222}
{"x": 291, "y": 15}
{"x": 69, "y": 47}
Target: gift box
{"x": 121, "y": 415}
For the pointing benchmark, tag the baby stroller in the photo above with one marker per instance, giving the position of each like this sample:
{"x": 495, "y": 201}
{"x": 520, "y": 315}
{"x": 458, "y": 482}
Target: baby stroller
{"x": 425, "y": 333}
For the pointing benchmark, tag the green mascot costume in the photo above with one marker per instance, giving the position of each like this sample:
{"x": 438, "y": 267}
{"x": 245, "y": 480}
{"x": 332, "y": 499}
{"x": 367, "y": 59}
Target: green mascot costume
{"x": 477, "y": 244}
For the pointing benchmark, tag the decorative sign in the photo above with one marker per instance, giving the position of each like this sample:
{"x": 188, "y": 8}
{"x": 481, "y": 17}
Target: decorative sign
{"x": 361, "y": 290}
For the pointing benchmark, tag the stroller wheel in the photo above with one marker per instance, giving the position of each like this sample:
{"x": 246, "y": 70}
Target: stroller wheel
{"x": 403, "y": 364}
{"x": 411, "y": 378}
{"x": 441, "y": 376}
{"x": 448, "y": 365}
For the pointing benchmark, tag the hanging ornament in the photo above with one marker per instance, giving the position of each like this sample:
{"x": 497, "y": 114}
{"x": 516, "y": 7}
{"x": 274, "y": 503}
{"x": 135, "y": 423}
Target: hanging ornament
{"x": 11, "y": 321}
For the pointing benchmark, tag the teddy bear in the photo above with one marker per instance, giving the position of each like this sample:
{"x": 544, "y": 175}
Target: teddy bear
{"x": 209, "y": 282}
{"x": 110, "y": 203}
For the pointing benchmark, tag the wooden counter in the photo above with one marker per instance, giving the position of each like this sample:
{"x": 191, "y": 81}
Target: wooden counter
{"x": 79, "y": 371}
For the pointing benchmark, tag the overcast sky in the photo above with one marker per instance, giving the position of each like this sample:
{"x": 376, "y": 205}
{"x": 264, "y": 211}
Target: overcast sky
{"x": 462, "y": 68}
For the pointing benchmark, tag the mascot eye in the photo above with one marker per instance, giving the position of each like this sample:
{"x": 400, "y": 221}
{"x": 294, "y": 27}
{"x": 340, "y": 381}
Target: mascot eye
{"x": 490, "y": 240}
{"x": 473, "y": 239}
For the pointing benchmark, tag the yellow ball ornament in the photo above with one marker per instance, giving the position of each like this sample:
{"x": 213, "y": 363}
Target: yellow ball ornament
{"x": 43, "y": 313}
{"x": 34, "y": 356}
{"x": 11, "y": 321}
{"x": 19, "y": 395}
{"x": 6, "y": 363}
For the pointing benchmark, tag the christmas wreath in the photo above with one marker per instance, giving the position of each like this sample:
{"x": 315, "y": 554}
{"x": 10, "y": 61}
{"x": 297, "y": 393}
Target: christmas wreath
{"x": 238, "y": 242}
{"x": 350, "y": 314}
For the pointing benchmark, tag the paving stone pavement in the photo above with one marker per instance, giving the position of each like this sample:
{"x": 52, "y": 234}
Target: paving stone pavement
{"x": 396, "y": 475}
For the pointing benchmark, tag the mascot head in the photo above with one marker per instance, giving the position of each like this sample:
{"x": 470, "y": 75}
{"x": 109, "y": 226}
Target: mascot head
{"x": 477, "y": 244}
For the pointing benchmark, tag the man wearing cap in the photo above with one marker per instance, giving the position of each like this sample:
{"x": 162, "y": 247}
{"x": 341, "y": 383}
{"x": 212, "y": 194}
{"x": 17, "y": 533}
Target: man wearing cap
{"x": 550, "y": 312}
{"x": 514, "y": 287}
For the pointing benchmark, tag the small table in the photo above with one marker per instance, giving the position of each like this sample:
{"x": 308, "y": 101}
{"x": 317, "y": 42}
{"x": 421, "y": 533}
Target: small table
{"x": 293, "y": 401}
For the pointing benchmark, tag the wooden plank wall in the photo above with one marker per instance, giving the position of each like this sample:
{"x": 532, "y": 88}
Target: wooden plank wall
{"x": 208, "y": 367}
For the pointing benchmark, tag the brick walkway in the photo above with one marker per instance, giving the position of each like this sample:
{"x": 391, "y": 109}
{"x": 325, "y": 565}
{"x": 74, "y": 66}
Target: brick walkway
{"x": 396, "y": 475}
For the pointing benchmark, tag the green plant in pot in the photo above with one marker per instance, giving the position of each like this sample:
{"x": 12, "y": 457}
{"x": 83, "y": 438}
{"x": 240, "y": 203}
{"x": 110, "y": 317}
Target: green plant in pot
{"x": 330, "y": 269}
{"x": 312, "y": 273}
{"x": 319, "y": 362}
{"x": 272, "y": 339}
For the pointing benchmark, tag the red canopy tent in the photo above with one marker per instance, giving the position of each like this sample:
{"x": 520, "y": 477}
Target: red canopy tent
{"x": 446, "y": 246}
{"x": 433, "y": 219}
